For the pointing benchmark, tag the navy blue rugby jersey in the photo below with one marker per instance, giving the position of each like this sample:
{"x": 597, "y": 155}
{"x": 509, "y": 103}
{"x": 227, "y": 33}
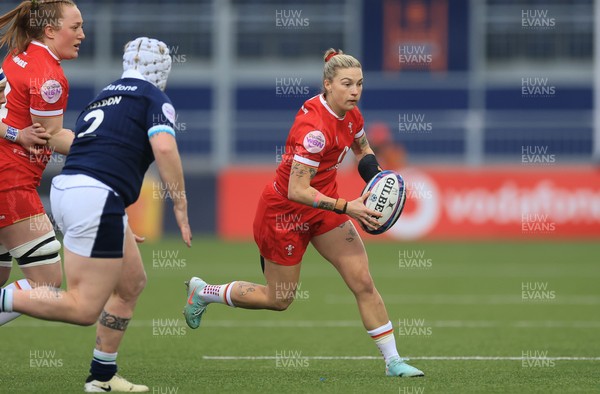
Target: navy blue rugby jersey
{"x": 112, "y": 135}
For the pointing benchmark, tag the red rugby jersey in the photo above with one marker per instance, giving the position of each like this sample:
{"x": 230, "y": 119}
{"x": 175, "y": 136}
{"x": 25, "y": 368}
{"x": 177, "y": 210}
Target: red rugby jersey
{"x": 320, "y": 139}
{"x": 36, "y": 85}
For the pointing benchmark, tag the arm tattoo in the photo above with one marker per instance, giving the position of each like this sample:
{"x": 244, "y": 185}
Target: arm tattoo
{"x": 313, "y": 172}
{"x": 363, "y": 143}
{"x": 298, "y": 169}
{"x": 112, "y": 321}
{"x": 326, "y": 205}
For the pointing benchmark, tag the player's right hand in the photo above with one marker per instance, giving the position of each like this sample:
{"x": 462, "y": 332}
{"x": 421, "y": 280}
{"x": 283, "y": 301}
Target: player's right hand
{"x": 356, "y": 209}
{"x": 181, "y": 217}
{"x": 32, "y": 137}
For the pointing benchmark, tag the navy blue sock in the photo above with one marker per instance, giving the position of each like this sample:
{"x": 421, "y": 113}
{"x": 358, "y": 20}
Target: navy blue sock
{"x": 103, "y": 366}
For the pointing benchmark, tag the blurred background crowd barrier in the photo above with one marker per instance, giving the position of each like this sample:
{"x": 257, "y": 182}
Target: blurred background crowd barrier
{"x": 487, "y": 107}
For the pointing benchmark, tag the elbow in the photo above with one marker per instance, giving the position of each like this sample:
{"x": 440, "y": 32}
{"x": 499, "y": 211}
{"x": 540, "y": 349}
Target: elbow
{"x": 364, "y": 153}
{"x": 164, "y": 149}
{"x": 359, "y": 156}
{"x": 293, "y": 194}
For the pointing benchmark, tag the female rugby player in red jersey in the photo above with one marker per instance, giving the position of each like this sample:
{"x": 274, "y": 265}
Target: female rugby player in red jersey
{"x": 326, "y": 128}
{"x": 28, "y": 137}
{"x": 38, "y": 35}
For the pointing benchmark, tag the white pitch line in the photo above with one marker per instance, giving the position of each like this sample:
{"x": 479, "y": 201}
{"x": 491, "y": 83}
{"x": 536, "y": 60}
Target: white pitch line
{"x": 441, "y": 358}
{"x": 472, "y": 299}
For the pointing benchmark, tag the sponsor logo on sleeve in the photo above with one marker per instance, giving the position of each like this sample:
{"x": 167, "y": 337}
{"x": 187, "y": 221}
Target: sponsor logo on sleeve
{"x": 314, "y": 141}
{"x": 51, "y": 91}
{"x": 169, "y": 112}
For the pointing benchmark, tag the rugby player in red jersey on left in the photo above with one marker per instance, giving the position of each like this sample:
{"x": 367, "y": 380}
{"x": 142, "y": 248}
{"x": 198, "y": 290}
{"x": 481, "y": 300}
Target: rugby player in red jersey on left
{"x": 38, "y": 35}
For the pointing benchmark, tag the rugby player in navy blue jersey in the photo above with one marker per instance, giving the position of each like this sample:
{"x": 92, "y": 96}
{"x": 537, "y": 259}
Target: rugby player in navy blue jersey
{"x": 118, "y": 135}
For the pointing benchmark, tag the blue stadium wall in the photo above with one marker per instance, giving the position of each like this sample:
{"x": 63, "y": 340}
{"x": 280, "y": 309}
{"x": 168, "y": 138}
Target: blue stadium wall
{"x": 389, "y": 100}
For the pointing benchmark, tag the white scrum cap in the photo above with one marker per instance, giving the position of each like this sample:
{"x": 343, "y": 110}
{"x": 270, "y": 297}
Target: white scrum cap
{"x": 151, "y": 58}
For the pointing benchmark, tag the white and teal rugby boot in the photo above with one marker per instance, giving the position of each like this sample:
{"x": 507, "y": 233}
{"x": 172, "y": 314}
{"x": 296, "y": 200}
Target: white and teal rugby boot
{"x": 194, "y": 306}
{"x": 398, "y": 367}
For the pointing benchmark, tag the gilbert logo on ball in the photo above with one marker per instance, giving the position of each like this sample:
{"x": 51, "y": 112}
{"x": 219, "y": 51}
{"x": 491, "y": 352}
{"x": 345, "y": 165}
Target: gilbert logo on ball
{"x": 388, "y": 195}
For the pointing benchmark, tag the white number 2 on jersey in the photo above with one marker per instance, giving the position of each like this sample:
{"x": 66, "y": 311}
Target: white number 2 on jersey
{"x": 98, "y": 116}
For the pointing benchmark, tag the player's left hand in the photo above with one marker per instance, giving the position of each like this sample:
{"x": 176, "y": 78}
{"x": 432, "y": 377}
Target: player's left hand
{"x": 138, "y": 239}
{"x": 356, "y": 209}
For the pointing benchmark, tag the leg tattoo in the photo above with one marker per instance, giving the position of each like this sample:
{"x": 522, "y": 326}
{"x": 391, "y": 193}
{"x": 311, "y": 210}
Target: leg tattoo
{"x": 114, "y": 322}
{"x": 352, "y": 234}
{"x": 246, "y": 288}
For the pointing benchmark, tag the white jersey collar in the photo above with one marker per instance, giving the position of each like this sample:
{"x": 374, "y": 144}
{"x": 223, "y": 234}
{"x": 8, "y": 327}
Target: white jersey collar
{"x": 131, "y": 73}
{"x": 324, "y": 102}
{"x": 34, "y": 42}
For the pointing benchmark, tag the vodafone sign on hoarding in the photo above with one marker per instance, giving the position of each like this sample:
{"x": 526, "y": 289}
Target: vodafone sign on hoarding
{"x": 453, "y": 203}
{"x": 506, "y": 203}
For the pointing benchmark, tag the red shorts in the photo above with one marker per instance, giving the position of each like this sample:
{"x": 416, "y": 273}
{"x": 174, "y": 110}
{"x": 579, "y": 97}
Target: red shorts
{"x": 19, "y": 178}
{"x": 19, "y": 204}
{"x": 283, "y": 228}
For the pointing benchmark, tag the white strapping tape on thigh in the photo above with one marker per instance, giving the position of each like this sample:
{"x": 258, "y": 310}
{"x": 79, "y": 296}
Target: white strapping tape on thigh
{"x": 40, "y": 251}
{"x": 5, "y": 257}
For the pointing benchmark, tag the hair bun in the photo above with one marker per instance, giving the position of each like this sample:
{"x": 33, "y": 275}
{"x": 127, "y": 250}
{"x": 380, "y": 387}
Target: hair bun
{"x": 329, "y": 56}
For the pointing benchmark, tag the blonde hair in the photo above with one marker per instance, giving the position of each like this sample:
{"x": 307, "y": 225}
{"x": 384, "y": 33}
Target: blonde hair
{"x": 337, "y": 59}
{"x": 27, "y": 22}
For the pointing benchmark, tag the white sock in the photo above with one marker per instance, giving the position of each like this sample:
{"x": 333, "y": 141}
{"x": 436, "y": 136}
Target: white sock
{"x": 105, "y": 358}
{"x": 21, "y": 284}
{"x": 220, "y": 294}
{"x": 385, "y": 341}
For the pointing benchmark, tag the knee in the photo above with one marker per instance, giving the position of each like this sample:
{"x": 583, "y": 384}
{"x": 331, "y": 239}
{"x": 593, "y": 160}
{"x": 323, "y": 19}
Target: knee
{"x": 362, "y": 284}
{"x": 281, "y": 305}
{"x": 86, "y": 319}
{"x": 84, "y": 316}
{"x": 133, "y": 289}
{"x": 282, "y": 295}
{"x": 79, "y": 310}
{"x": 138, "y": 285}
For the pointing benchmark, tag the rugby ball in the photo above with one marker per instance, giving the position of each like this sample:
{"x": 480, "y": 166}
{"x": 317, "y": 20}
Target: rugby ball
{"x": 388, "y": 196}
